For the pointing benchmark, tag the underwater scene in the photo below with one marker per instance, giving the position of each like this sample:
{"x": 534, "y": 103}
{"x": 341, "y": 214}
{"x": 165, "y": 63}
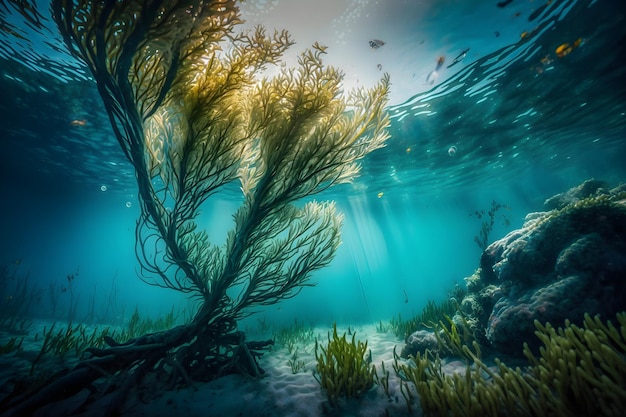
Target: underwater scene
{"x": 287, "y": 208}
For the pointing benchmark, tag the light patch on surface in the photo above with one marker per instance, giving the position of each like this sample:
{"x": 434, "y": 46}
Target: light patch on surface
{"x": 415, "y": 33}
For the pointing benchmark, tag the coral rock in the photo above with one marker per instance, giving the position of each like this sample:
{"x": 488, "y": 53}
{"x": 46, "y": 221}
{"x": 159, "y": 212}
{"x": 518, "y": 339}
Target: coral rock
{"x": 419, "y": 341}
{"x": 561, "y": 264}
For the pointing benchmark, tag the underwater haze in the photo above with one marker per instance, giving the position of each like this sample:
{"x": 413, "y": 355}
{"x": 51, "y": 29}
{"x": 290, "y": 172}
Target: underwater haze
{"x": 491, "y": 102}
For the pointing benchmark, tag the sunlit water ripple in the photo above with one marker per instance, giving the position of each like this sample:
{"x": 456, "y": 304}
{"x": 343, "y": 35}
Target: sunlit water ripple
{"x": 515, "y": 110}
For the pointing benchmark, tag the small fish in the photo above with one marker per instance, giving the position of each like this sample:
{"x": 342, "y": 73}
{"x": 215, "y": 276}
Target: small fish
{"x": 566, "y": 48}
{"x": 432, "y": 77}
{"x": 434, "y": 74}
{"x": 78, "y": 122}
{"x": 376, "y": 43}
{"x": 440, "y": 62}
{"x": 563, "y": 50}
{"x": 459, "y": 58}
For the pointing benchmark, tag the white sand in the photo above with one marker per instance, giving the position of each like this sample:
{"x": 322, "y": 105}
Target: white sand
{"x": 280, "y": 393}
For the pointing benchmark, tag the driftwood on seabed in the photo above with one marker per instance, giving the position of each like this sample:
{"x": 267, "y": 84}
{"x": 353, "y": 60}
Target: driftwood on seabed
{"x": 111, "y": 372}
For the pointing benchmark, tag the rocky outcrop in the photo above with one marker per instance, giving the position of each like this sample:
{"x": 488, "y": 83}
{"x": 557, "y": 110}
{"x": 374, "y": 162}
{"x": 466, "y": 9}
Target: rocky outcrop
{"x": 420, "y": 341}
{"x": 562, "y": 263}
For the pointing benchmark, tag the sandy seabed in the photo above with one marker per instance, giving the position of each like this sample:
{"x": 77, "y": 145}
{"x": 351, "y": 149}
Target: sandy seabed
{"x": 279, "y": 393}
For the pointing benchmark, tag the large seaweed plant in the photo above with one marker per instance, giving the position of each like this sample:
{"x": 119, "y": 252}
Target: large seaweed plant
{"x": 194, "y": 109}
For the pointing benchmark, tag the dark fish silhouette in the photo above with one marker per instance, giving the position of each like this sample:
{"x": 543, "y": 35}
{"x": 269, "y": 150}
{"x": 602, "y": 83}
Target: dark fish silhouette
{"x": 459, "y": 58}
{"x": 376, "y": 43}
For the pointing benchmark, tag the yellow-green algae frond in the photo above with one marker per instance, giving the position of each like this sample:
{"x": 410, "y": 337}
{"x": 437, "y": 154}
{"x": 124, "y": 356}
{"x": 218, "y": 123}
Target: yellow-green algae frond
{"x": 579, "y": 371}
{"x": 194, "y": 110}
{"x": 343, "y": 367}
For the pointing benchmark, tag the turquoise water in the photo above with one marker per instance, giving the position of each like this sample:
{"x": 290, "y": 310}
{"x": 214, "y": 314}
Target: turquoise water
{"x": 511, "y": 122}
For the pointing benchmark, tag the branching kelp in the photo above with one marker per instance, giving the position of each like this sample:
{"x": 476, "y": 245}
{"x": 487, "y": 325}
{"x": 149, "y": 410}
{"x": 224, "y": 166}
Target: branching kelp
{"x": 192, "y": 113}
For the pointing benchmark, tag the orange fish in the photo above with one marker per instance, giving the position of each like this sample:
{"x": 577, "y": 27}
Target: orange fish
{"x": 78, "y": 122}
{"x": 440, "y": 62}
{"x": 563, "y": 49}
